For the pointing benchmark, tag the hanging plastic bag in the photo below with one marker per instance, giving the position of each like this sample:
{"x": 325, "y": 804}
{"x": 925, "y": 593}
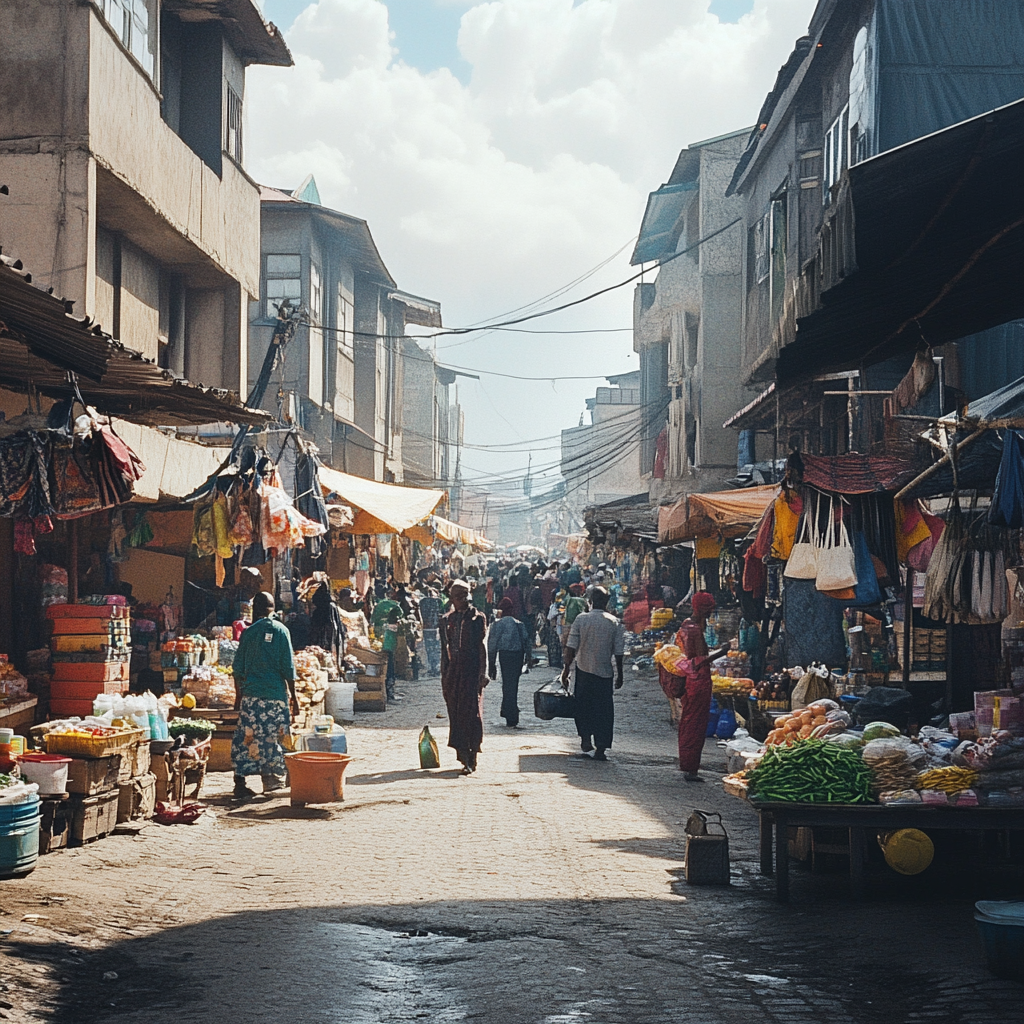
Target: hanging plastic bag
{"x": 867, "y": 591}
{"x": 429, "y": 757}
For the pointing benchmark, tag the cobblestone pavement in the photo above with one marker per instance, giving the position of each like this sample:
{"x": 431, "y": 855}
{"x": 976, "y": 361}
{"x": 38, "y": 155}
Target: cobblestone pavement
{"x": 544, "y": 889}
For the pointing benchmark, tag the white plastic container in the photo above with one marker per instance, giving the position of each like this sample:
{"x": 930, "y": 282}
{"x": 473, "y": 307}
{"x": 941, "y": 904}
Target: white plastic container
{"x": 338, "y": 701}
{"x": 48, "y": 771}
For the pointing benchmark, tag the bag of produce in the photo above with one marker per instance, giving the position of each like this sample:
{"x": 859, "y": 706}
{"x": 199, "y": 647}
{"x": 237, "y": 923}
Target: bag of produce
{"x": 813, "y": 686}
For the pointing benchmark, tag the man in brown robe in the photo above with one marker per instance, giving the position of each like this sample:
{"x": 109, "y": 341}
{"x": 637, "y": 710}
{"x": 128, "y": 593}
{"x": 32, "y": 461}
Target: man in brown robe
{"x": 464, "y": 674}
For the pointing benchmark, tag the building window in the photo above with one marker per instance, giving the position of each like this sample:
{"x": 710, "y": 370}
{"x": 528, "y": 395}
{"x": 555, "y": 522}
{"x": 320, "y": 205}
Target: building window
{"x": 837, "y": 152}
{"x": 345, "y": 324}
{"x": 233, "y": 126}
{"x": 316, "y": 295}
{"x": 133, "y": 22}
{"x": 283, "y": 281}
{"x": 779, "y": 232}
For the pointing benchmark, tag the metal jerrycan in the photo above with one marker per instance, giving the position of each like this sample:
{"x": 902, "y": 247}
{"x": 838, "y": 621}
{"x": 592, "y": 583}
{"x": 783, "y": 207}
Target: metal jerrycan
{"x": 707, "y": 853}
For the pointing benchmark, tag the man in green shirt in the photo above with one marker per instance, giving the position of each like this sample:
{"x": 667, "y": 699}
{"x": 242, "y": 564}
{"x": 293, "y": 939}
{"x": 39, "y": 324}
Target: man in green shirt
{"x": 264, "y": 673}
{"x": 381, "y": 611}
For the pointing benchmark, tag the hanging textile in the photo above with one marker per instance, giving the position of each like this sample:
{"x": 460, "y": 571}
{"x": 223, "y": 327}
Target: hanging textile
{"x": 787, "y": 508}
{"x": 1007, "y": 508}
{"x": 309, "y": 498}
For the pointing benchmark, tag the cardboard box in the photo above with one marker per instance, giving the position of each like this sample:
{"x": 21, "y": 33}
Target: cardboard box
{"x": 142, "y": 760}
{"x": 370, "y": 684}
{"x": 86, "y": 611}
{"x": 78, "y": 689}
{"x": 88, "y": 776}
{"x": 92, "y": 817}
{"x": 369, "y": 701}
{"x": 160, "y": 768}
{"x": 70, "y": 707}
{"x": 54, "y": 824}
{"x": 137, "y": 799}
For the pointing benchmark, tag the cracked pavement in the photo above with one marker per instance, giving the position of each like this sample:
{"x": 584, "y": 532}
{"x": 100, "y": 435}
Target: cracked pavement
{"x": 546, "y": 888}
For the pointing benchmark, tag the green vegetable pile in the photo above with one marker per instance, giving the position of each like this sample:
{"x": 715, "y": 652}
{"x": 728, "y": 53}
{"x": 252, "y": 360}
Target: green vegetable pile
{"x": 6, "y": 780}
{"x": 193, "y": 729}
{"x": 811, "y": 771}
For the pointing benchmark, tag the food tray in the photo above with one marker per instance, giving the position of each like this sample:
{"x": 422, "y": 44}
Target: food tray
{"x": 91, "y": 746}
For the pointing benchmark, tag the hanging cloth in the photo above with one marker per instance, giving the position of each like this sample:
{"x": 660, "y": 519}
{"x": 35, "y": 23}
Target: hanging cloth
{"x": 1007, "y": 508}
{"x": 784, "y": 524}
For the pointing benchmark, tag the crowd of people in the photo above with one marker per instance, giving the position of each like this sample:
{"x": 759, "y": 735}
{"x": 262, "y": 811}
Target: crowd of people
{"x": 469, "y": 630}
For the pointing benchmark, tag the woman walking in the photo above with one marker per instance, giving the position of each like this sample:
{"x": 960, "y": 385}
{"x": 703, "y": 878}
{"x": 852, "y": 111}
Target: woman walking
{"x": 264, "y": 674}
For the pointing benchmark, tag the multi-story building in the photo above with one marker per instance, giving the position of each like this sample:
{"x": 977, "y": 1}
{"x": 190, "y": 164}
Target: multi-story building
{"x": 345, "y": 374}
{"x": 687, "y": 322}
{"x": 871, "y": 225}
{"x": 600, "y": 459}
{"x": 121, "y": 143}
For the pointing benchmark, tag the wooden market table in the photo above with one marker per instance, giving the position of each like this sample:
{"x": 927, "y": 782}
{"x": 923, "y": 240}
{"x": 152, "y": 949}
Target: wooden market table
{"x": 859, "y": 820}
{"x": 18, "y": 712}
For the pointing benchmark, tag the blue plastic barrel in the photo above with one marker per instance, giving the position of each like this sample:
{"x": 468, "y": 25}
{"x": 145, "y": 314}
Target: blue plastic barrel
{"x": 19, "y": 837}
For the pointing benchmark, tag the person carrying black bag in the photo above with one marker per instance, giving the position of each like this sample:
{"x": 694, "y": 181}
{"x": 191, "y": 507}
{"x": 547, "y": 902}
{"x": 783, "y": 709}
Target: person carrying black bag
{"x": 508, "y": 645}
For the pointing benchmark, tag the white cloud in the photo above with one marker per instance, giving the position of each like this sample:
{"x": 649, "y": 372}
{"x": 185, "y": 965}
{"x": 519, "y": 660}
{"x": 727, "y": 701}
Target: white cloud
{"x": 490, "y": 194}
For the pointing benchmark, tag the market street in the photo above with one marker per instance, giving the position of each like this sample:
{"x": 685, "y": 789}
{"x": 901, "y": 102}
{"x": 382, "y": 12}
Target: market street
{"x": 544, "y": 889}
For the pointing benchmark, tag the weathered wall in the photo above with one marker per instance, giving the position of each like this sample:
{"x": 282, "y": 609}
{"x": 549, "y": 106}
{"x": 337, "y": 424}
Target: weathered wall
{"x": 219, "y": 216}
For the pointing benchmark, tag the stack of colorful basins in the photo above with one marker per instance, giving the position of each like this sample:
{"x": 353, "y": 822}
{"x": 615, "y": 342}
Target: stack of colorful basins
{"x": 91, "y": 645}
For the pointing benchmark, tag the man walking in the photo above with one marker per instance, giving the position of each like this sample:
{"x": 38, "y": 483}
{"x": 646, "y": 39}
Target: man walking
{"x": 594, "y": 639}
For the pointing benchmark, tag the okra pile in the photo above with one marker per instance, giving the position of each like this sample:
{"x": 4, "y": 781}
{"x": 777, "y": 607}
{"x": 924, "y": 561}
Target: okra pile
{"x": 811, "y": 771}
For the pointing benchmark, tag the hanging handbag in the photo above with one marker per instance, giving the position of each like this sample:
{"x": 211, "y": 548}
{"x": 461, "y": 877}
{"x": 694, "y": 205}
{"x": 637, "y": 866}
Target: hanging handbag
{"x": 837, "y": 566}
{"x": 803, "y": 559}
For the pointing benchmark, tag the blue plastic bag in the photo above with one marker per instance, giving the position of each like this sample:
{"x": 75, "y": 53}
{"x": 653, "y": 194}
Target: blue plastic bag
{"x": 1007, "y": 508}
{"x": 866, "y": 592}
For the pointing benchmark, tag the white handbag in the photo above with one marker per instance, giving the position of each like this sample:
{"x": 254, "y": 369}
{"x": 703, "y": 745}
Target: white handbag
{"x": 837, "y": 564}
{"x": 803, "y": 559}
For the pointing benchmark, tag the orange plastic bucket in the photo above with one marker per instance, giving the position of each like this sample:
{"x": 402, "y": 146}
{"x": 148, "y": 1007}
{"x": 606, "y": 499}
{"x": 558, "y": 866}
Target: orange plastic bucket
{"x": 316, "y": 777}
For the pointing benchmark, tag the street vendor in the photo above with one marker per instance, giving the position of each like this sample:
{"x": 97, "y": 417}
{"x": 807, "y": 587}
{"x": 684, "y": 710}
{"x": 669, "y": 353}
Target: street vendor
{"x": 693, "y": 687}
{"x": 264, "y": 673}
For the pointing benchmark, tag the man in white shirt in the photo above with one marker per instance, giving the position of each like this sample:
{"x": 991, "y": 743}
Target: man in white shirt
{"x": 595, "y": 638}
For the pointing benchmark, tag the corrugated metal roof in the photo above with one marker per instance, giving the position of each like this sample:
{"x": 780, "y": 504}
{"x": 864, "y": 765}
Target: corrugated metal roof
{"x": 254, "y": 40}
{"x": 40, "y": 342}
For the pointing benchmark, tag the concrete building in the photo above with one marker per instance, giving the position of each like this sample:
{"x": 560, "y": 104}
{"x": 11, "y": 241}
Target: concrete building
{"x": 856, "y": 228}
{"x": 687, "y": 323}
{"x": 600, "y": 459}
{"x": 431, "y": 419}
{"x": 345, "y": 374}
{"x": 121, "y": 143}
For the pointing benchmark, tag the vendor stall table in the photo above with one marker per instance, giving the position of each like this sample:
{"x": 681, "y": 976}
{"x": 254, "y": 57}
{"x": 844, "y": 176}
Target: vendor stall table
{"x": 18, "y": 712}
{"x": 860, "y": 820}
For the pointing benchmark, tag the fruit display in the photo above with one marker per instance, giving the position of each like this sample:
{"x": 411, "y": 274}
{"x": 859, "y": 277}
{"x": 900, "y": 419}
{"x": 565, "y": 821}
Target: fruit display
{"x": 774, "y": 688}
{"x": 812, "y": 722}
{"x": 950, "y": 779}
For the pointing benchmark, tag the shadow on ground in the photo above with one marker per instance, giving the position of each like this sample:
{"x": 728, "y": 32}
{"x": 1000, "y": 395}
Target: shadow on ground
{"x": 719, "y": 957}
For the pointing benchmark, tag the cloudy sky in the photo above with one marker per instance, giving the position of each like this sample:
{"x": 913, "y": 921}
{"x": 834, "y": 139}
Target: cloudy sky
{"x": 501, "y": 151}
